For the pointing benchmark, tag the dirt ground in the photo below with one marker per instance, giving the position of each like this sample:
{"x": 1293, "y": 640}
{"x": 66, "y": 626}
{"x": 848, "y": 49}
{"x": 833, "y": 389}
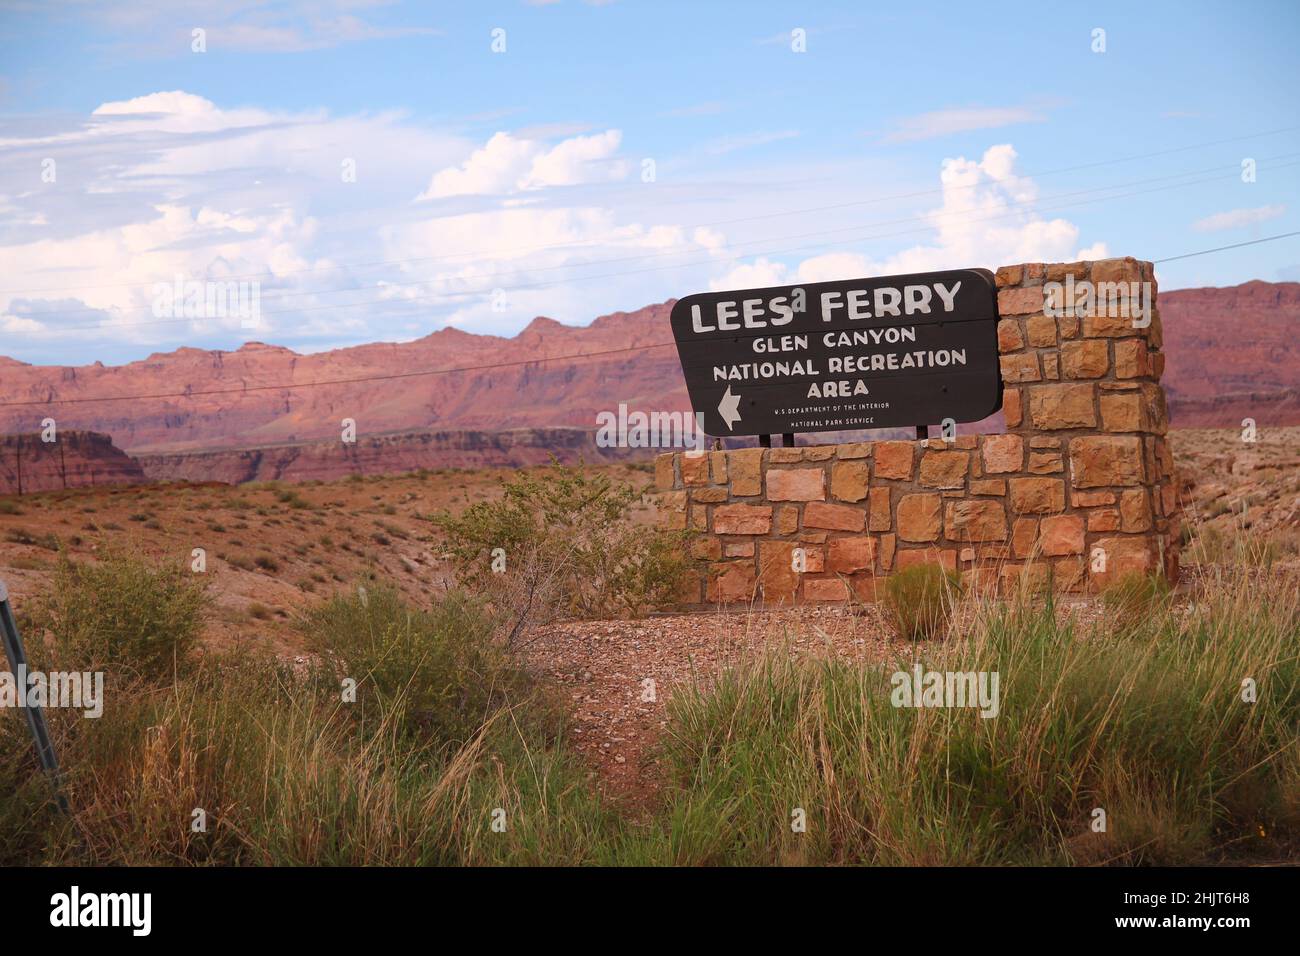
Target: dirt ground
{"x": 273, "y": 550}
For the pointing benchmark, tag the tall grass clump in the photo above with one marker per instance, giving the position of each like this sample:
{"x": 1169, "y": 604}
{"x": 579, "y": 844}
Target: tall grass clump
{"x": 435, "y": 672}
{"x": 1148, "y": 724}
{"x": 918, "y": 602}
{"x": 444, "y": 737}
{"x": 1135, "y": 599}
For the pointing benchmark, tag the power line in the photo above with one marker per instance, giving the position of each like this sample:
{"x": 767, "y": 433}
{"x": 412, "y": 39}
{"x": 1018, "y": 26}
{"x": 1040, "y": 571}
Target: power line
{"x": 1014, "y": 205}
{"x": 467, "y": 368}
{"x": 1051, "y": 205}
{"x": 1235, "y": 245}
{"x": 719, "y": 222}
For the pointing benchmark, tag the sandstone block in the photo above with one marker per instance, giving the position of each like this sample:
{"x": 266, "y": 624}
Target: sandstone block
{"x": 695, "y": 468}
{"x": 1103, "y": 519}
{"x": 919, "y": 517}
{"x": 976, "y": 520}
{"x": 709, "y": 496}
{"x": 664, "y": 476}
{"x": 1011, "y": 409}
{"x": 849, "y": 480}
{"x": 1009, "y": 337}
{"x": 1037, "y": 495}
{"x": 1062, "y": 406}
{"x": 888, "y": 543}
{"x": 1003, "y": 453}
{"x": 846, "y": 555}
{"x": 1121, "y": 412}
{"x": 1020, "y": 367}
{"x": 796, "y": 484}
{"x": 824, "y": 589}
{"x": 742, "y": 519}
{"x": 746, "y": 469}
{"x": 1008, "y": 276}
{"x": 1020, "y": 301}
{"x": 1060, "y": 535}
{"x": 731, "y": 583}
{"x": 1131, "y": 358}
{"x": 1087, "y": 358}
{"x": 787, "y": 519}
{"x": 1042, "y": 331}
{"x": 1102, "y": 460}
{"x": 894, "y": 460}
{"x": 818, "y": 514}
{"x": 1134, "y": 510}
{"x": 776, "y": 573}
{"x": 879, "y": 517}
{"x": 1024, "y": 535}
{"x": 944, "y": 469}
{"x": 944, "y": 557}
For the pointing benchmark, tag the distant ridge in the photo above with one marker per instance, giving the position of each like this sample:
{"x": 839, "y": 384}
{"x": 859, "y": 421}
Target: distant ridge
{"x": 1230, "y": 352}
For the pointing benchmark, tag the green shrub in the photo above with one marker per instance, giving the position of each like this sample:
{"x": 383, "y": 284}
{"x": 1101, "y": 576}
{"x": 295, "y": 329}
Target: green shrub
{"x": 566, "y": 536}
{"x": 435, "y": 672}
{"x": 918, "y": 601}
{"x": 123, "y": 614}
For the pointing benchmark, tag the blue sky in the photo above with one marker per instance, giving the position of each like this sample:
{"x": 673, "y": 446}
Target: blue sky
{"x": 611, "y": 156}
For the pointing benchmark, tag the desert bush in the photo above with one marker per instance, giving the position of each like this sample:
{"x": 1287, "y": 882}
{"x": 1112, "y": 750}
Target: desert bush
{"x": 123, "y": 615}
{"x": 434, "y": 672}
{"x": 568, "y": 542}
{"x": 918, "y": 601}
{"x": 50, "y": 542}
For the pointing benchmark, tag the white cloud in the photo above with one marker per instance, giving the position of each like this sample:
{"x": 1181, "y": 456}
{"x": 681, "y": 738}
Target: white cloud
{"x": 1237, "y": 218}
{"x": 507, "y": 163}
{"x": 170, "y": 183}
{"x": 946, "y": 122}
{"x": 985, "y": 219}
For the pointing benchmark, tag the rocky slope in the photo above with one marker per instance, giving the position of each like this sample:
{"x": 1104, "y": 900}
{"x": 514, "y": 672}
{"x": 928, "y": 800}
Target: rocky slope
{"x": 385, "y": 454}
{"x": 77, "y": 459}
{"x": 1232, "y": 353}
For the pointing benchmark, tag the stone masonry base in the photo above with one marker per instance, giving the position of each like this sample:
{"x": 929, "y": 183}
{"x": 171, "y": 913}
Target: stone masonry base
{"x": 1078, "y": 491}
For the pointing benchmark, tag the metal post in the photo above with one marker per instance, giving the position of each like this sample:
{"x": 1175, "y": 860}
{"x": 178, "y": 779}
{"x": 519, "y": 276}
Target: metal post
{"x": 922, "y": 432}
{"x": 765, "y": 441}
{"x": 787, "y": 440}
{"x": 35, "y": 716}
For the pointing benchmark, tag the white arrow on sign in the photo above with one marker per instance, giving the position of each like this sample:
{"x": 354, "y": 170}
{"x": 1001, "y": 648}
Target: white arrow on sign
{"x": 729, "y": 408}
